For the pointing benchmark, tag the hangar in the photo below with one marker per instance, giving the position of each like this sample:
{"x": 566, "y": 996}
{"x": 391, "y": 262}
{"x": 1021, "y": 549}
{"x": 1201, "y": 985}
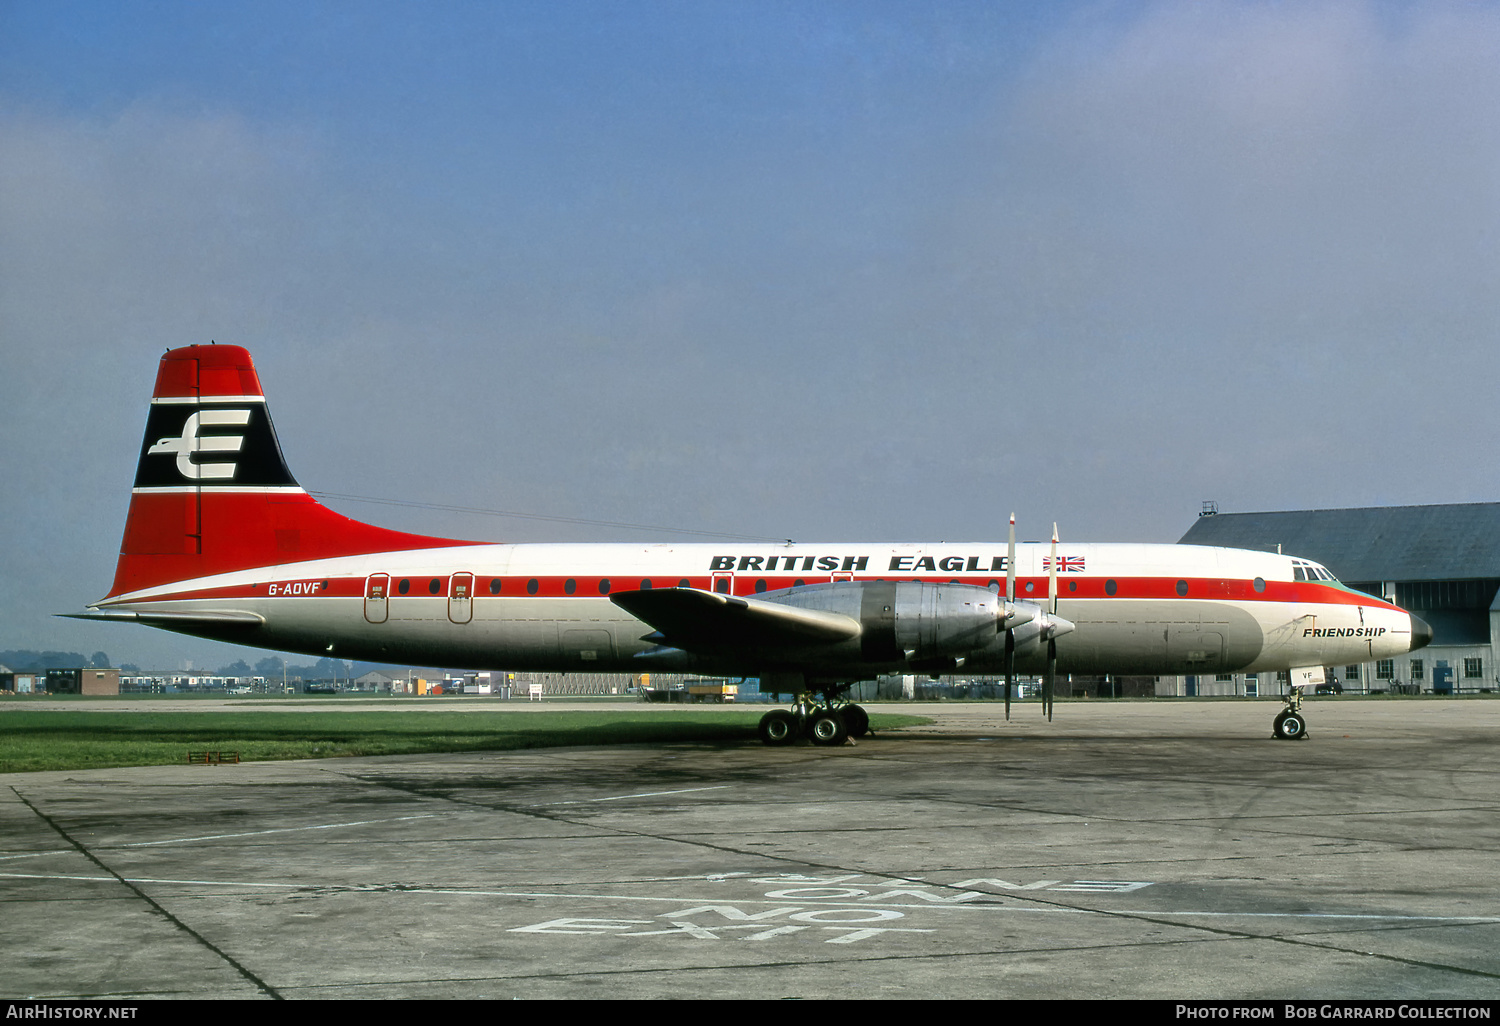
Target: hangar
{"x": 1440, "y": 562}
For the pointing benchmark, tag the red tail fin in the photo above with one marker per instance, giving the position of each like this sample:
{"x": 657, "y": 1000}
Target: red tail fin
{"x": 212, "y": 490}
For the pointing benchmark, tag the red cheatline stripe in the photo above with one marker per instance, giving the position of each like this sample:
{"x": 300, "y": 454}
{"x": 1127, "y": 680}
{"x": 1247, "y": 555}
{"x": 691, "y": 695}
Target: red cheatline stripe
{"x": 554, "y": 586}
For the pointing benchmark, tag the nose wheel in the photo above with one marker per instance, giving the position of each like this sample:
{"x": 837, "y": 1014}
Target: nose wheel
{"x": 1290, "y": 724}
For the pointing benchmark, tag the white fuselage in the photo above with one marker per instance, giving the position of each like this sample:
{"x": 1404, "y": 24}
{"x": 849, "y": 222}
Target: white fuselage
{"x": 1138, "y": 609}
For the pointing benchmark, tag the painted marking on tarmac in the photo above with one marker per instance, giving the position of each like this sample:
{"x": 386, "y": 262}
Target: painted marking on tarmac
{"x": 846, "y": 923}
{"x": 261, "y": 833}
{"x": 622, "y": 797}
{"x": 39, "y": 854}
{"x": 696, "y": 931}
{"x": 248, "y": 833}
{"x": 150, "y": 880}
{"x": 808, "y": 908}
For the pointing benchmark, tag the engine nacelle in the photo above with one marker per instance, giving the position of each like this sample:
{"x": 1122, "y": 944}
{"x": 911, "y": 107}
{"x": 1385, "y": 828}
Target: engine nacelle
{"x": 935, "y": 620}
{"x": 914, "y": 622}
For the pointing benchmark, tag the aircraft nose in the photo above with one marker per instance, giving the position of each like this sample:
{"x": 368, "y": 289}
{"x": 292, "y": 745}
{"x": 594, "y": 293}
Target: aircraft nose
{"x": 1421, "y": 634}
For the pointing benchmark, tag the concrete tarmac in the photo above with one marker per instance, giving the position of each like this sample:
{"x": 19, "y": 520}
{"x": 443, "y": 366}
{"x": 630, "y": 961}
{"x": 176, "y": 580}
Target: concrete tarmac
{"x": 1165, "y": 850}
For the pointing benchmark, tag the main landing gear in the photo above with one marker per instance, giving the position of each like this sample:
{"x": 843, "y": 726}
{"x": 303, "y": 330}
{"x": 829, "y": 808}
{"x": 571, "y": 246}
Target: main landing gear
{"x": 1291, "y": 724}
{"x": 826, "y": 723}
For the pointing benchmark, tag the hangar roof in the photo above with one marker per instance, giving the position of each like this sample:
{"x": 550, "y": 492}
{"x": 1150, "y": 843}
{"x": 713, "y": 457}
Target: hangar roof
{"x": 1378, "y": 543}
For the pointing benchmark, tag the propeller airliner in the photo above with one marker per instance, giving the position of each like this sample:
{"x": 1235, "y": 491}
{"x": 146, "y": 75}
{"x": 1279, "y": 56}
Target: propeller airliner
{"x": 222, "y": 542}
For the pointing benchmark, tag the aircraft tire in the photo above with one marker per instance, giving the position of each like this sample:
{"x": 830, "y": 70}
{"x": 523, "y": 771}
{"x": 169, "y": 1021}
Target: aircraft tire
{"x": 778, "y": 727}
{"x": 856, "y": 719}
{"x": 827, "y": 729}
{"x": 1290, "y": 726}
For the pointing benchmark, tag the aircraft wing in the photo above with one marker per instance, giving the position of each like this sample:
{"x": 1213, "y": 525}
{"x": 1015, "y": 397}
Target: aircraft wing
{"x": 694, "y": 620}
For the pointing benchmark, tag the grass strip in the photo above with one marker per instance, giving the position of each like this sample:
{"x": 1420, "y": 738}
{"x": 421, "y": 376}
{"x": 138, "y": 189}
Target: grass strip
{"x": 50, "y": 740}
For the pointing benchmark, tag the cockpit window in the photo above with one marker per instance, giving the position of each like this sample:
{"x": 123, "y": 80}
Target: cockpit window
{"x": 1311, "y": 572}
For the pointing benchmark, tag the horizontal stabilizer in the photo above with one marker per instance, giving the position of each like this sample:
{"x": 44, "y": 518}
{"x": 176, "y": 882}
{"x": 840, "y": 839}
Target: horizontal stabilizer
{"x": 705, "y": 620}
{"x": 225, "y": 618}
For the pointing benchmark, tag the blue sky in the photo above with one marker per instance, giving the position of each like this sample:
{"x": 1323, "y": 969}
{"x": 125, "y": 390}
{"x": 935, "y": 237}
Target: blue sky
{"x": 850, "y": 271}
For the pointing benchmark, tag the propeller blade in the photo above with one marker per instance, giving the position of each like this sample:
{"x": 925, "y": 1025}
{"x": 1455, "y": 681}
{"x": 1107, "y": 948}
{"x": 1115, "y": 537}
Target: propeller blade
{"x": 1052, "y": 575}
{"x": 1049, "y": 683}
{"x": 1010, "y": 563}
{"x": 1010, "y": 667}
{"x": 1010, "y": 598}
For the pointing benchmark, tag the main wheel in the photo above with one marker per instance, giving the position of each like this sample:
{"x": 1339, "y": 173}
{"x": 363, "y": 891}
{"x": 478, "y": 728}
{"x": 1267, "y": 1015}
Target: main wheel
{"x": 1289, "y": 726}
{"x": 778, "y": 727}
{"x": 857, "y": 720}
{"x": 827, "y": 728}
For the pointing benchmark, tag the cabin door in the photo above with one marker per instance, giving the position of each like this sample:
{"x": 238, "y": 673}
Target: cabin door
{"x": 377, "y": 588}
{"x": 461, "y": 598}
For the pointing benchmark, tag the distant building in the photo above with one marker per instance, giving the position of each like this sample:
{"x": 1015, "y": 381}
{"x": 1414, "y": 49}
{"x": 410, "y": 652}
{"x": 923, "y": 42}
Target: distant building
{"x": 397, "y": 682}
{"x": 380, "y": 680}
{"x": 1440, "y": 562}
{"x": 85, "y": 681}
{"x": 22, "y": 682}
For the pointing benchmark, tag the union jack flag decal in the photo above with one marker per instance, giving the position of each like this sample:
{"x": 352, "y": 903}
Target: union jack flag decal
{"x": 1065, "y": 564}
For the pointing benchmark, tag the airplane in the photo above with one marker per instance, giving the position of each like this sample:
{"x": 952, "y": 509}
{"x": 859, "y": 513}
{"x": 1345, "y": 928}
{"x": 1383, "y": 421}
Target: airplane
{"x": 222, "y": 542}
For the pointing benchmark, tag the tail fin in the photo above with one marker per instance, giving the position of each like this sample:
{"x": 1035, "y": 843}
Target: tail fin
{"x": 212, "y": 490}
